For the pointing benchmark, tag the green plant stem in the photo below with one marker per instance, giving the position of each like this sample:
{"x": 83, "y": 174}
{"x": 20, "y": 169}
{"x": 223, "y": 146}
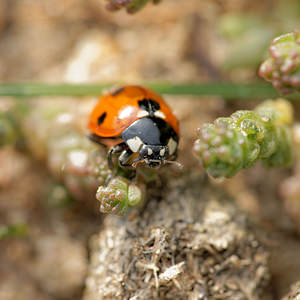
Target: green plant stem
{"x": 238, "y": 91}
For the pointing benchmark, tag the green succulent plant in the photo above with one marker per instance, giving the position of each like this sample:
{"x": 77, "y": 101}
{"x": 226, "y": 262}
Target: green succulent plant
{"x": 118, "y": 195}
{"x": 282, "y": 68}
{"x": 237, "y": 142}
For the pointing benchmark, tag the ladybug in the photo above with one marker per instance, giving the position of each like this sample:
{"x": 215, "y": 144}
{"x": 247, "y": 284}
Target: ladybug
{"x": 135, "y": 123}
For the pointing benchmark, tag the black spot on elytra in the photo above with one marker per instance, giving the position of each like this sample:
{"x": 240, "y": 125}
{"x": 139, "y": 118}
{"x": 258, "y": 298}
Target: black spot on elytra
{"x": 151, "y": 106}
{"x": 117, "y": 91}
{"x": 101, "y": 119}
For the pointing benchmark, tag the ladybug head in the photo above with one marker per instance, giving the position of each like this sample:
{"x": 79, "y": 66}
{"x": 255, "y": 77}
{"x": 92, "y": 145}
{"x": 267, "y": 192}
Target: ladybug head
{"x": 154, "y": 155}
{"x": 153, "y": 139}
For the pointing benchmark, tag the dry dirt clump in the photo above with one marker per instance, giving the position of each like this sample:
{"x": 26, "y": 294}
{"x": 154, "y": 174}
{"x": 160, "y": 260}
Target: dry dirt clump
{"x": 192, "y": 245}
{"x": 294, "y": 293}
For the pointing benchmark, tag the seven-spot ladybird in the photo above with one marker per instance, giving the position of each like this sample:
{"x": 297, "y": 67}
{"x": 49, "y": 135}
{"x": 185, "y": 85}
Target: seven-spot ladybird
{"x": 137, "y": 124}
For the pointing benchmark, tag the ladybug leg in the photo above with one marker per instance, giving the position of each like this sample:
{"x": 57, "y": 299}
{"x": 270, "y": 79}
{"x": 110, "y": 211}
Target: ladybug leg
{"x": 96, "y": 139}
{"x": 114, "y": 150}
{"x": 125, "y": 157}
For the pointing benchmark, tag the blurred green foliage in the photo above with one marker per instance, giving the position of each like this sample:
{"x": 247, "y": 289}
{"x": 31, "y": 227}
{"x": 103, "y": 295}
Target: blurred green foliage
{"x": 13, "y": 230}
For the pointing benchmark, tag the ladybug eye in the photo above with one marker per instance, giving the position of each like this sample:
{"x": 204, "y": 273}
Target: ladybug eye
{"x": 162, "y": 152}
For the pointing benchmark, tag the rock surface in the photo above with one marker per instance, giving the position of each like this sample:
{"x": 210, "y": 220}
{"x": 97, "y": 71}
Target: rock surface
{"x": 192, "y": 245}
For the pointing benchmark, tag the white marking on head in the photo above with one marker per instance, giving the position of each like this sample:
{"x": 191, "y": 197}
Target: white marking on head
{"x": 162, "y": 152}
{"x": 142, "y": 113}
{"x": 134, "y": 144}
{"x": 172, "y": 145}
{"x": 159, "y": 114}
{"x": 150, "y": 151}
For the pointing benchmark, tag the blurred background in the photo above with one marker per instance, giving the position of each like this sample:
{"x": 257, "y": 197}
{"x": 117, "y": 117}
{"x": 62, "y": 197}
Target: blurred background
{"x": 47, "y": 219}
{"x": 80, "y": 41}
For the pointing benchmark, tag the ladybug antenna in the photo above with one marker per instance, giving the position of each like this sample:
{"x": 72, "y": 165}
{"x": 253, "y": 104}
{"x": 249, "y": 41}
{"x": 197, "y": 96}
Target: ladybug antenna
{"x": 137, "y": 162}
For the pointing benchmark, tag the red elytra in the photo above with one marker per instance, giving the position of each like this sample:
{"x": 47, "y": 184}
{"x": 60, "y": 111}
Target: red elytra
{"x": 117, "y": 110}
